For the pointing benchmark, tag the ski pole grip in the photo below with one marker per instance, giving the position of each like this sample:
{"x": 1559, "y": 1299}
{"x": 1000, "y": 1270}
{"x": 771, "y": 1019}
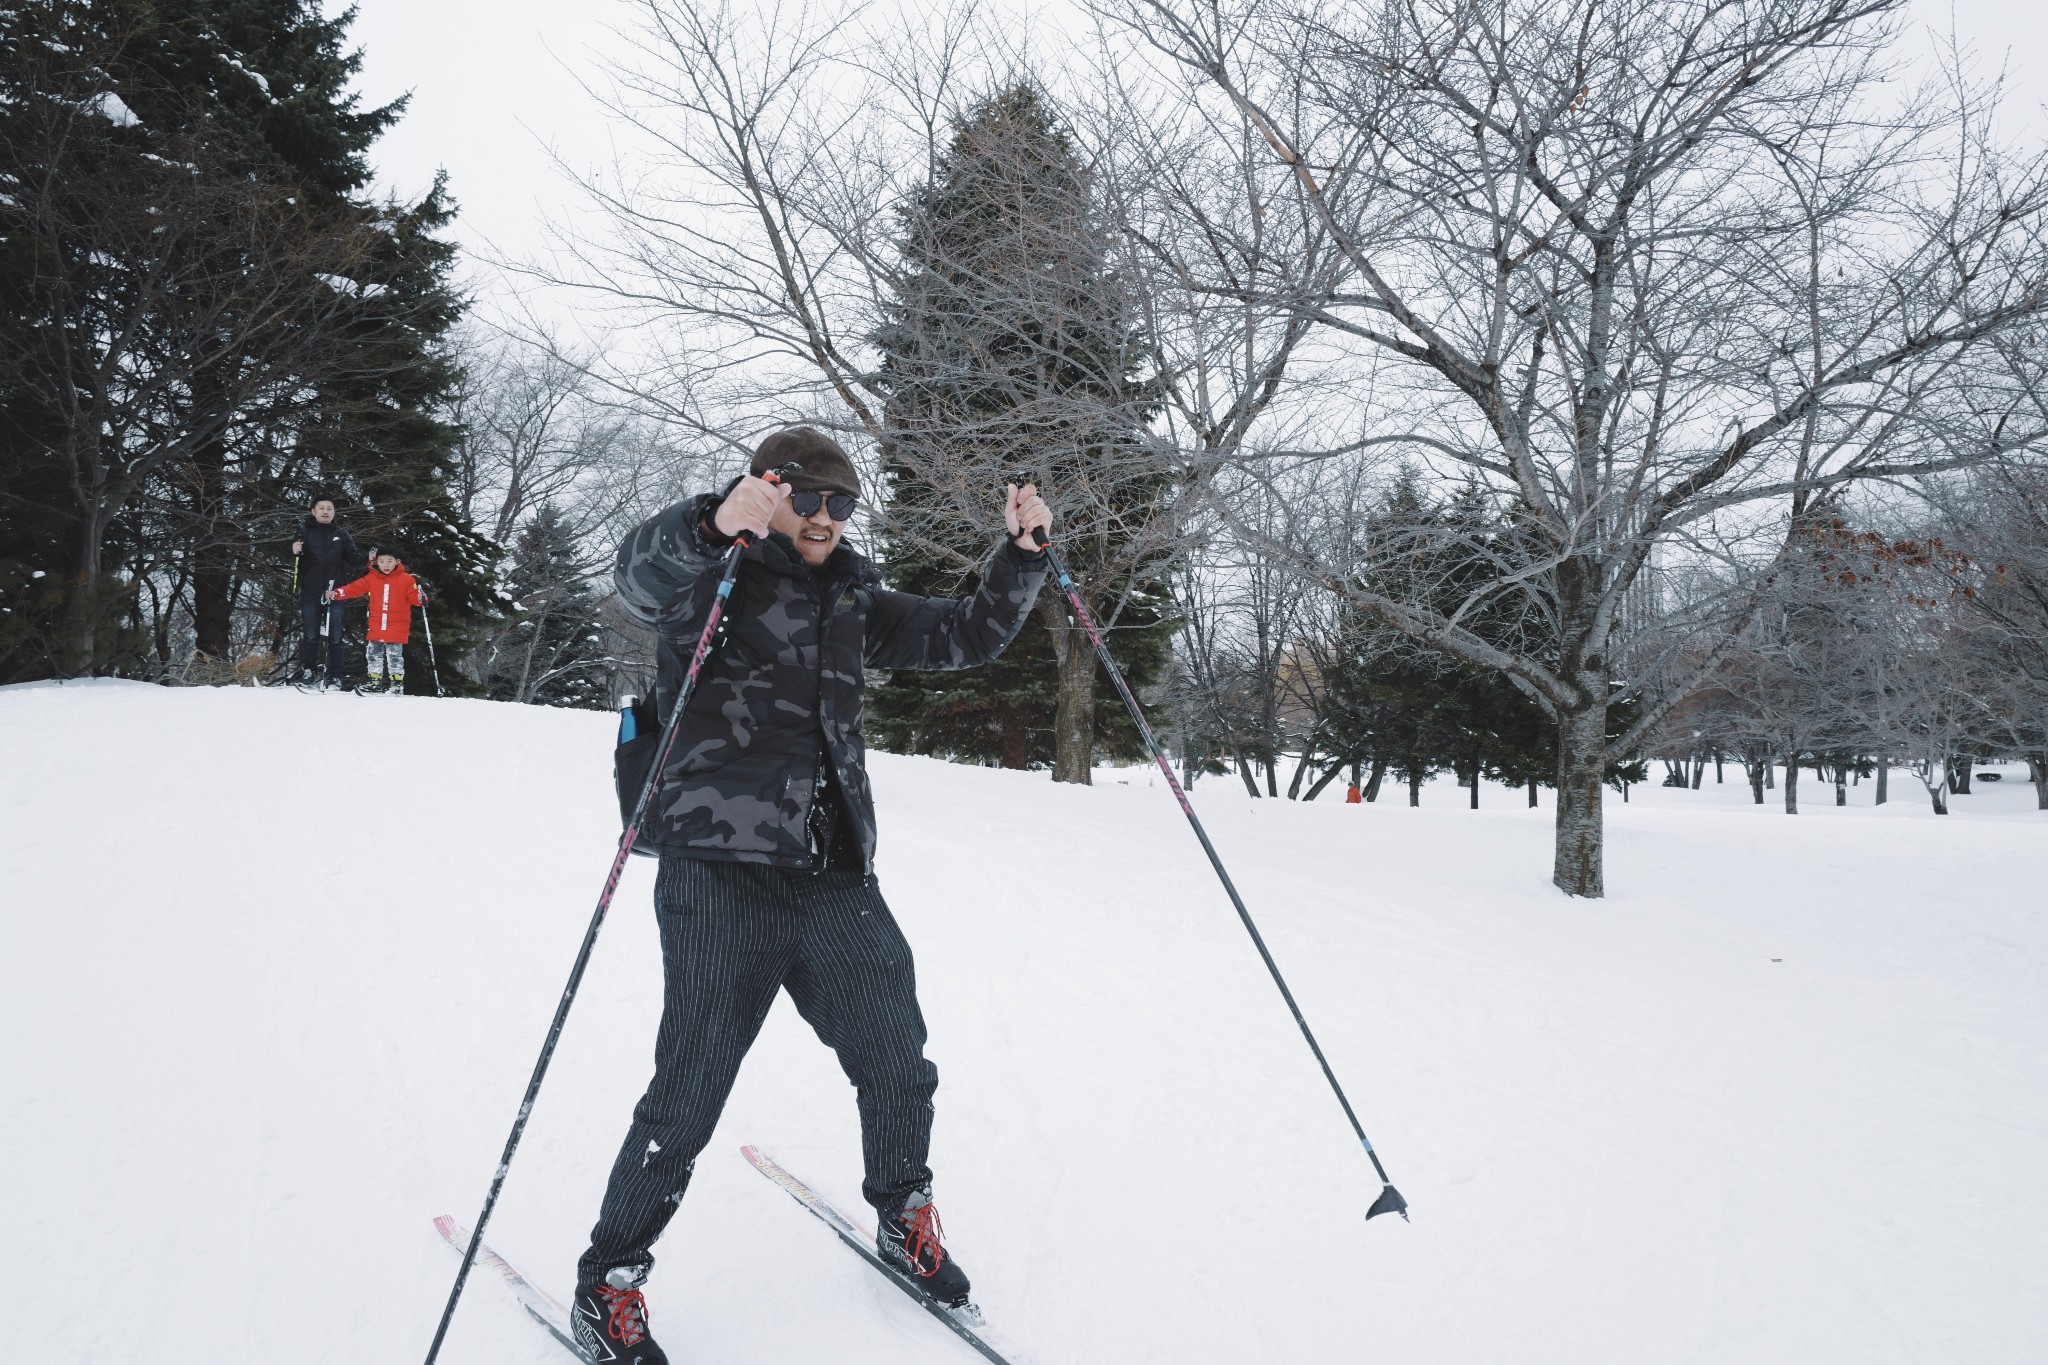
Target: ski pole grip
{"x": 775, "y": 475}
{"x": 1022, "y": 478}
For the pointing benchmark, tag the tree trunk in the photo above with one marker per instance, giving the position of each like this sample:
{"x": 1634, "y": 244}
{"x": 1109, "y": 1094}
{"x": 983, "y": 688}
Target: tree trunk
{"x": 1581, "y": 764}
{"x": 1329, "y": 776}
{"x": 1959, "y": 773}
{"x": 1884, "y": 772}
{"x": 77, "y": 636}
{"x": 2037, "y": 772}
{"x": 1379, "y": 772}
{"x": 1841, "y": 784}
{"x": 1301, "y": 772}
{"x": 1245, "y": 774}
{"x": 1073, "y": 722}
{"x": 1791, "y": 783}
{"x": 1016, "y": 741}
{"x": 1475, "y": 783}
{"x": 213, "y": 560}
{"x": 1532, "y": 793}
{"x": 1699, "y": 770}
{"x": 1755, "y": 772}
{"x": 78, "y": 642}
{"x": 1415, "y": 785}
{"x": 1717, "y": 767}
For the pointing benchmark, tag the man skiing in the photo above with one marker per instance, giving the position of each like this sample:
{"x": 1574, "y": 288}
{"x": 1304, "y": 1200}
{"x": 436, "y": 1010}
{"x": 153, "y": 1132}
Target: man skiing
{"x": 327, "y": 556}
{"x": 766, "y": 832}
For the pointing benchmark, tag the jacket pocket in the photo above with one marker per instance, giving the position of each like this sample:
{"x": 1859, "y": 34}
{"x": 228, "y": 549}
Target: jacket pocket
{"x": 632, "y": 760}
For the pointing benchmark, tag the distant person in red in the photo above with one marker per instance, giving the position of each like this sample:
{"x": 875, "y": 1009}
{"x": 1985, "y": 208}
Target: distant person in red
{"x": 392, "y": 594}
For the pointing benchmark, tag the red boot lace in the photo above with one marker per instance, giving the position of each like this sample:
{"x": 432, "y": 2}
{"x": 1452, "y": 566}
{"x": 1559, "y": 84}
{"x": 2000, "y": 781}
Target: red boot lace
{"x": 924, "y": 1233}
{"x": 628, "y": 1322}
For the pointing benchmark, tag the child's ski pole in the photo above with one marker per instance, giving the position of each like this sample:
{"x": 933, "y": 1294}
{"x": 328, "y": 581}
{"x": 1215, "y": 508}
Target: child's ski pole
{"x": 432, "y": 662}
{"x": 728, "y": 571}
{"x": 1390, "y": 1200}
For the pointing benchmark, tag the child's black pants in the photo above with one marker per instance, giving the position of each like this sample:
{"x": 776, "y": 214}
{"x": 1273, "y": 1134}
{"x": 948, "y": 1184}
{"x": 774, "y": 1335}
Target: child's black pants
{"x": 732, "y": 934}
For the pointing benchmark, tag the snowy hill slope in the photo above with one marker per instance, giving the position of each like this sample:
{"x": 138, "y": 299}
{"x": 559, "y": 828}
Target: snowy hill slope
{"x": 273, "y": 969}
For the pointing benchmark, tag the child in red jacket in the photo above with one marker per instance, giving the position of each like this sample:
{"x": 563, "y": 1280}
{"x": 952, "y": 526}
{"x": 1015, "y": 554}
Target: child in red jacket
{"x": 393, "y": 593}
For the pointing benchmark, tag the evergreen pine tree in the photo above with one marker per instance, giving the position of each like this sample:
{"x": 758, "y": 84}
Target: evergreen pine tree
{"x": 342, "y": 394}
{"x": 1010, "y": 347}
{"x": 380, "y": 437}
{"x": 1406, "y": 709}
{"x": 551, "y": 649}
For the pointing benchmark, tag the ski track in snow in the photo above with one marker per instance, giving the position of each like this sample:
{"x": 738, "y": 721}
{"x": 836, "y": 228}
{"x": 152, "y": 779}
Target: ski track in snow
{"x": 274, "y": 968}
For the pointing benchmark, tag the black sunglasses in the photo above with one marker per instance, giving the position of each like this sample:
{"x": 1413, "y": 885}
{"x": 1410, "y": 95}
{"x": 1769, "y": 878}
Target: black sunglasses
{"x": 804, "y": 502}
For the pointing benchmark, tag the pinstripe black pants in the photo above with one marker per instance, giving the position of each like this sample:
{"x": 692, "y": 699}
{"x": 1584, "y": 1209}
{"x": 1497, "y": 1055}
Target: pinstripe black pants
{"x": 732, "y": 934}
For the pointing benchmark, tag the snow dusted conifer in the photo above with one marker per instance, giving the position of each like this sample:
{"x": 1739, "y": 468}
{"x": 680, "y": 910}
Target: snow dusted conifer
{"x": 550, "y": 649}
{"x": 1011, "y": 345}
{"x": 237, "y": 325}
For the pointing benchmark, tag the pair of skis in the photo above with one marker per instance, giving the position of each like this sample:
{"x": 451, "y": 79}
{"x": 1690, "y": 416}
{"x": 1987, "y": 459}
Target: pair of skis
{"x": 549, "y": 1313}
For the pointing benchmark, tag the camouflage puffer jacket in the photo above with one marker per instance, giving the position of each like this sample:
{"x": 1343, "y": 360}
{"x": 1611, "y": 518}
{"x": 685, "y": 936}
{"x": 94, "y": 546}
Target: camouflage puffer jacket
{"x": 786, "y": 678}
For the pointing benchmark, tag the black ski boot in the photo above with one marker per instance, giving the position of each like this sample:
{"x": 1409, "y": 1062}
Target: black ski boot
{"x": 908, "y": 1239}
{"x": 611, "y": 1320}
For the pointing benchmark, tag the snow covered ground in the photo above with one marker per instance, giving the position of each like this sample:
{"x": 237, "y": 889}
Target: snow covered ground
{"x": 273, "y": 969}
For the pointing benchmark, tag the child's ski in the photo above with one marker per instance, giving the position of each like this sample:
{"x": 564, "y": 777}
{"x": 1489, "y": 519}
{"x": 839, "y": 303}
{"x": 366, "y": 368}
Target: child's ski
{"x": 963, "y": 1326}
{"x": 535, "y": 1300}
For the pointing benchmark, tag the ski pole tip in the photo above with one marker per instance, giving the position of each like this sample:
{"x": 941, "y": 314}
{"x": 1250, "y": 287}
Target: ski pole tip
{"x": 1390, "y": 1201}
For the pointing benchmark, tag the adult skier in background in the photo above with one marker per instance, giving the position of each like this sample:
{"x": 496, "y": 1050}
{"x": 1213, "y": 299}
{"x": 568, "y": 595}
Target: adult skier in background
{"x": 327, "y": 558}
{"x": 766, "y": 832}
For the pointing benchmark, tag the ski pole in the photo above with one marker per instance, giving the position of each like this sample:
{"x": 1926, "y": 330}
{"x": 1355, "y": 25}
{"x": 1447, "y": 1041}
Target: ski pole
{"x": 728, "y": 571}
{"x": 1390, "y": 1200}
{"x": 433, "y": 663}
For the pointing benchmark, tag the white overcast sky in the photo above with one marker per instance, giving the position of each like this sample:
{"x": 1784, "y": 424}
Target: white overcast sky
{"x": 494, "y": 90}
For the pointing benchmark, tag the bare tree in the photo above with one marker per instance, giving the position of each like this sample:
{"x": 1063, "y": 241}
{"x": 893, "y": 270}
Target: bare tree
{"x": 1663, "y": 274}
{"x": 2001, "y": 519}
{"x": 768, "y": 254}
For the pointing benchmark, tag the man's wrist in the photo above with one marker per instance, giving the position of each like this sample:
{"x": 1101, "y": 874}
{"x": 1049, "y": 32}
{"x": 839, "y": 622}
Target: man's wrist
{"x": 707, "y": 525}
